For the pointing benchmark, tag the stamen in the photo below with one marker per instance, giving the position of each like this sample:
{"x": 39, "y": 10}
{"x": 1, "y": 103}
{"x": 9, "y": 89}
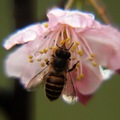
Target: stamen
{"x": 92, "y": 55}
{"x": 46, "y": 25}
{"x": 72, "y": 50}
{"x": 86, "y": 45}
{"x": 46, "y": 59}
{"x": 80, "y": 52}
{"x": 30, "y": 56}
{"x": 94, "y": 63}
{"x": 77, "y": 78}
{"x": 80, "y": 76}
{"x": 68, "y": 32}
{"x": 73, "y": 58}
{"x": 91, "y": 59}
{"x": 87, "y": 49}
{"x": 54, "y": 48}
{"x": 67, "y": 40}
{"x": 76, "y": 69}
{"x": 77, "y": 43}
{"x": 42, "y": 64}
{"x": 50, "y": 47}
{"x": 74, "y": 47}
{"x": 45, "y": 50}
{"x": 41, "y": 52}
{"x": 39, "y": 59}
{"x": 62, "y": 42}
{"x": 31, "y": 60}
{"x": 64, "y": 34}
{"x": 78, "y": 64}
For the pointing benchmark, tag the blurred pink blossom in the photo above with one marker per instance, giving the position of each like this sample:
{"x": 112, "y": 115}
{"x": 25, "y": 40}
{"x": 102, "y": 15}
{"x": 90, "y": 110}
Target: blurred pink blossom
{"x": 95, "y": 45}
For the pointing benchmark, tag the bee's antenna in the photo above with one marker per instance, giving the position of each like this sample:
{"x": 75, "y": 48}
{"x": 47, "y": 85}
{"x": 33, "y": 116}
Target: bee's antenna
{"x": 70, "y": 46}
{"x": 58, "y": 46}
{"x": 63, "y": 46}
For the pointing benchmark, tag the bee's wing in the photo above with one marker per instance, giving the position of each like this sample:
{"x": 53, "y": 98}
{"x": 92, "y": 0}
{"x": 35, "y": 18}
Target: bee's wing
{"x": 38, "y": 80}
{"x": 68, "y": 93}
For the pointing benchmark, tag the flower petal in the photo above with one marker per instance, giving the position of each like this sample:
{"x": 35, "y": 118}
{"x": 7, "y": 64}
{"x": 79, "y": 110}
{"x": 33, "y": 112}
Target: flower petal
{"x": 118, "y": 71}
{"x": 25, "y": 35}
{"x": 105, "y": 44}
{"x": 72, "y": 18}
{"x": 91, "y": 81}
{"x": 18, "y": 65}
{"x": 84, "y": 99}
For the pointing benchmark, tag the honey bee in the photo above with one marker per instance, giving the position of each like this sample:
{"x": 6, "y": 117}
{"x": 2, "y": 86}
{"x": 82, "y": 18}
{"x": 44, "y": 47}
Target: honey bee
{"x": 54, "y": 76}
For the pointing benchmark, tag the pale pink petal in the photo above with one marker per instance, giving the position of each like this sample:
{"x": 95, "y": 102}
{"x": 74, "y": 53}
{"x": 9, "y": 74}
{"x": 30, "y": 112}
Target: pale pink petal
{"x": 72, "y": 18}
{"x": 118, "y": 71}
{"x": 54, "y": 15}
{"x": 105, "y": 44}
{"x": 84, "y": 99}
{"x": 90, "y": 82}
{"x": 17, "y": 63}
{"x": 25, "y": 35}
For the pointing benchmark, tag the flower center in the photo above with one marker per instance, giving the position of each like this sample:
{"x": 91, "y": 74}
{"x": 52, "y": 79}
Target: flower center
{"x": 80, "y": 50}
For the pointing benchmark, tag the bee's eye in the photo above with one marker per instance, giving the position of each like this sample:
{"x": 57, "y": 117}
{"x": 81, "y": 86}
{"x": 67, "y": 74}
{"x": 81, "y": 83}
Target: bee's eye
{"x": 67, "y": 55}
{"x": 62, "y": 54}
{"x": 58, "y": 53}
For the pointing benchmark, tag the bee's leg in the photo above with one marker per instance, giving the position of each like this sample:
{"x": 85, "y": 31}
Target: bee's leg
{"x": 73, "y": 67}
{"x": 48, "y": 62}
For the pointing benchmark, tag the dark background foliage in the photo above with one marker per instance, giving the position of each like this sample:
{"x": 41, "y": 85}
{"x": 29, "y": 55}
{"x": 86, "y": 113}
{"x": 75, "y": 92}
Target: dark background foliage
{"x": 18, "y": 104}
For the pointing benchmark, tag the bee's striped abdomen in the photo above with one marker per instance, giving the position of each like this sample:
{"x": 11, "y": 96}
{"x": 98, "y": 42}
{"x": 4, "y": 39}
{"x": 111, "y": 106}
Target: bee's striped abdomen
{"x": 54, "y": 86}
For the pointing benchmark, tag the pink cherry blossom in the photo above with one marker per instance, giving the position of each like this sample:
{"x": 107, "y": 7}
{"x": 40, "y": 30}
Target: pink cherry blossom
{"x": 95, "y": 45}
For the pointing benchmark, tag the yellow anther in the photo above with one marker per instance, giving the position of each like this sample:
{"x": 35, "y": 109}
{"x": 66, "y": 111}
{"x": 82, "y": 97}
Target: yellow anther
{"x": 42, "y": 64}
{"x": 67, "y": 40}
{"x": 77, "y": 78}
{"x": 46, "y": 59}
{"x": 80, "y": 52}
{"x": 31, "y": 60}
{"x": 50, "y": 47}
{"x": 45, "y": 50}
{"x": 41, "y": 52}
{"x": 77, "y": 43}
{"x": 62, "y": 42}
{"x": 30, "y": 56}
{"x": 78, "y": 65}
{"x": 39, "y": 59}
{"x": 81, "y": 75}
{"x": 74, "y": 47}
{"x": 72, "y": 50}
{"x": 94, "y": 63}
{"x": 92, "y": 55}
{"x": 76, "y": 69}
{"x": 73, "y": 58}
{"x": 64, "y": 34}
{"x": 91, "y": 59}
{"x": 46, "y": 25}
{"x": 54, "y": 49}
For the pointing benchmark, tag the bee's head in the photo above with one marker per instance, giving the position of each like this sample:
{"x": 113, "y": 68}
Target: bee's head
{"x": 62, "y": 52}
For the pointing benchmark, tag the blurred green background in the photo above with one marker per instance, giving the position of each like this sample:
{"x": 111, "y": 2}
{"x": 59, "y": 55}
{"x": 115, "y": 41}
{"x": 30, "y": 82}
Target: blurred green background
{"x": 105, "y": 104}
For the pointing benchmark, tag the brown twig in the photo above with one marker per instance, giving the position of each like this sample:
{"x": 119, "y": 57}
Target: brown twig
{"x": 100, "y": 8}
{"x": 69, "y": 4}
